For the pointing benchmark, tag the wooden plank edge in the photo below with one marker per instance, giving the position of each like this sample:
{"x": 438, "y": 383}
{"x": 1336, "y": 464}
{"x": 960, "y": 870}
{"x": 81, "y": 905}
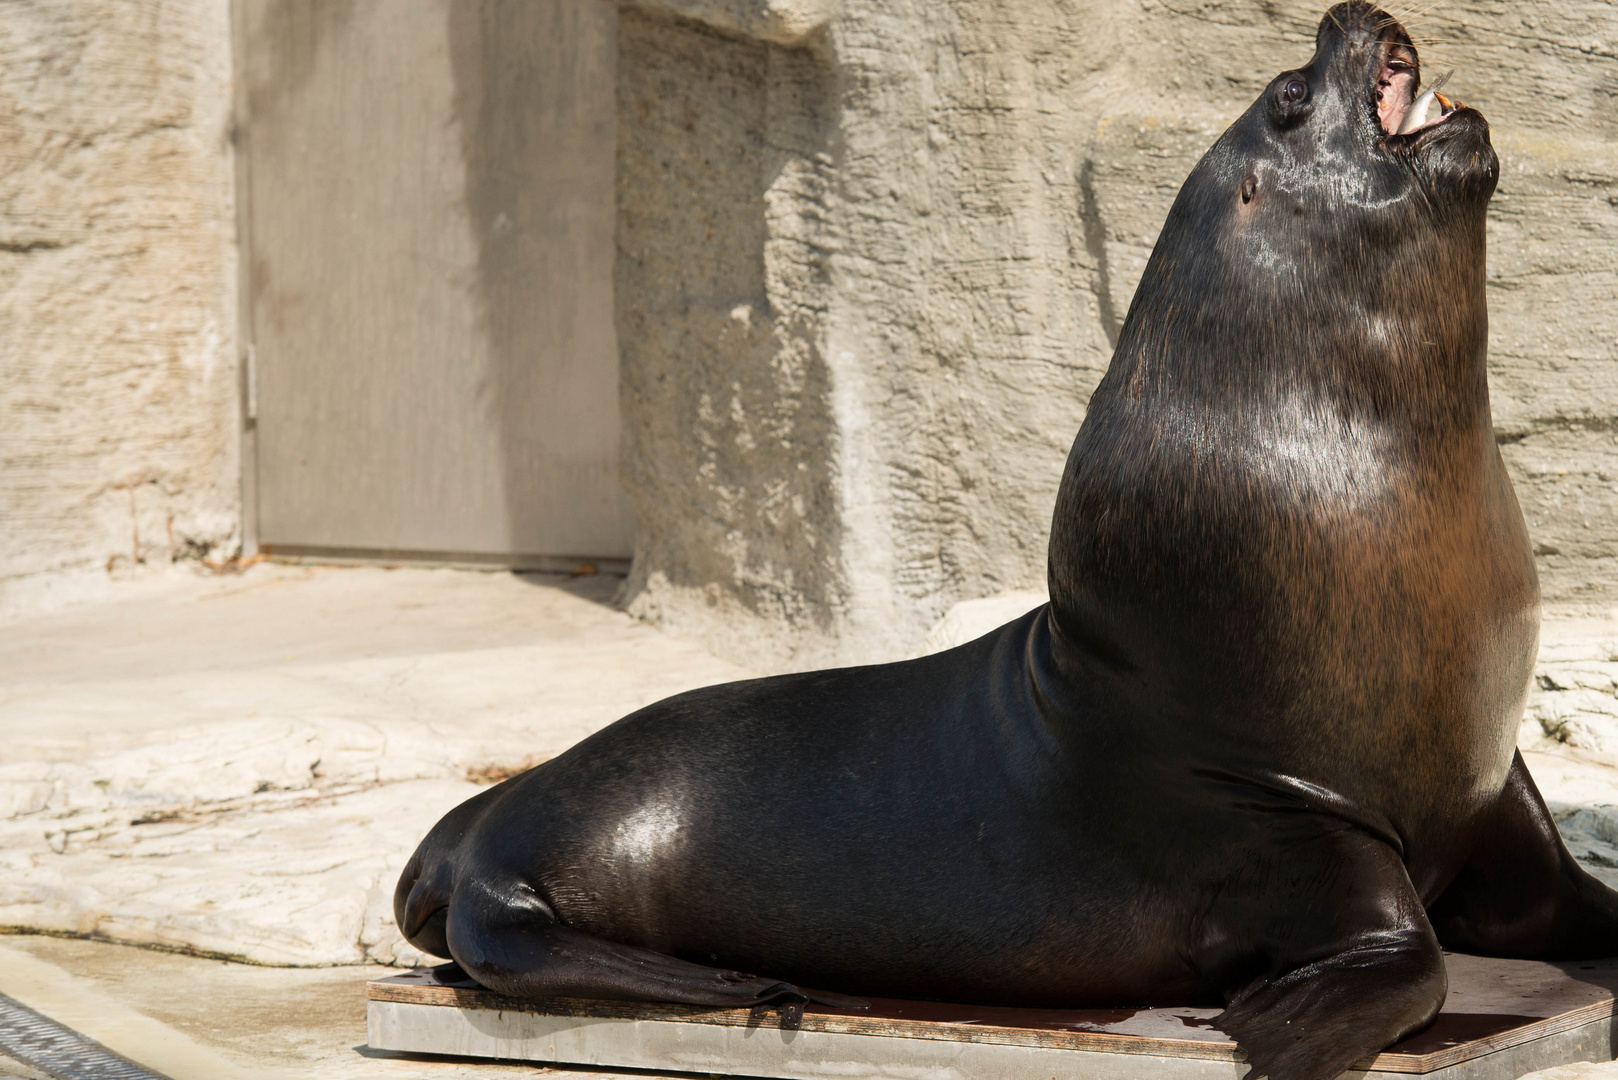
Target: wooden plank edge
{"x": 1472, "y": 1049}
{"x": 1102, "y": 1041}
{"x": 1094, "y": 1041}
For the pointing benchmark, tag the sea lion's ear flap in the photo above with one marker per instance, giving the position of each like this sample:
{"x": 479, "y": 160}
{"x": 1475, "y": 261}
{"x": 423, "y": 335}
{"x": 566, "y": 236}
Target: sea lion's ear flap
{"x": 1291, "y": 99}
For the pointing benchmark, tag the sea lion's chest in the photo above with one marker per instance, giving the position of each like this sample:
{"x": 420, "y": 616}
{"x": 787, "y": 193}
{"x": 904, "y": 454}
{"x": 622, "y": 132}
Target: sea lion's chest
{"x": 1314, "y": 596}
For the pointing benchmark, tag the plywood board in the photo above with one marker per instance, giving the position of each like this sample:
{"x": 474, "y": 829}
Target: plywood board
{"x": 1503, "y": 1019}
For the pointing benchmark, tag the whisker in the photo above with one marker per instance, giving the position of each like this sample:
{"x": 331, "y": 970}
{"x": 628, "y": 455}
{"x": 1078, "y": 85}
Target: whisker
{"x": 1407, "y": 13}
{"x": 1406, "y": 23}
{"x": 1396, "y": 21}
{"x": 1429, "y": 8}
{"x": 1476, "y": 35}
{"x": 1418, "y": 9}
{"x": 1297, "y": 26}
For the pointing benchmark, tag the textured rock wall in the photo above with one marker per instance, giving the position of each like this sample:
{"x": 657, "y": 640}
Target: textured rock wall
{"x": 117, "y": 369}
{"x": 723, "y": 166}
{"x": 871, "y": 259}
{"x": 993, "y": 177}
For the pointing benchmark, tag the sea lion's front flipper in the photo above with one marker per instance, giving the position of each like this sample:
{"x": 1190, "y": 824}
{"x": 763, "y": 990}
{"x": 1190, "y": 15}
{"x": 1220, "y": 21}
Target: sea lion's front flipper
{"x": 517, "y": 946}
{"x": 1323, "y": 953}
{"x": 1521, "y": 893}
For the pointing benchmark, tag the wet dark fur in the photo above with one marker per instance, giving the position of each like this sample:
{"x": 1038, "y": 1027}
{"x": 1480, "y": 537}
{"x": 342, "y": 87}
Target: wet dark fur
{"x": 1256, "y": 749}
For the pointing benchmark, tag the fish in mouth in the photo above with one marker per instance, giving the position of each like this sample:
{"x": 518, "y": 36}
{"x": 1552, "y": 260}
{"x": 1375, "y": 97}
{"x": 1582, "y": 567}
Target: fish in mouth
{"x": 1398, "y": 118}
{"x": 1402, "y": 113}
{"x": 1399, "y": 110}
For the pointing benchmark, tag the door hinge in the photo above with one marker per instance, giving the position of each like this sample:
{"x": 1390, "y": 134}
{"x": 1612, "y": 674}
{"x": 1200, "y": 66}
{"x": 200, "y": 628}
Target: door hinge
{"x": 252, "y": 383}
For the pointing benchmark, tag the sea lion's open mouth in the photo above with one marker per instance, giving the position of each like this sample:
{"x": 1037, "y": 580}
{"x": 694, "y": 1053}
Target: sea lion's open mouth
{"x": 1398, "y": 110}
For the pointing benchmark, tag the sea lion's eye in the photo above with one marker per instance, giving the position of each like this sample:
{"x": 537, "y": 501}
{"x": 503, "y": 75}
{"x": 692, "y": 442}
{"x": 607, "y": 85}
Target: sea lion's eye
{"x": 1289, "y": 100}
{"x": 1249, "y": 188}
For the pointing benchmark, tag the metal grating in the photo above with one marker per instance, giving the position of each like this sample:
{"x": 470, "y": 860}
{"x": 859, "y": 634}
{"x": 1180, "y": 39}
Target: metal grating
{"x": 57, "y": 1051}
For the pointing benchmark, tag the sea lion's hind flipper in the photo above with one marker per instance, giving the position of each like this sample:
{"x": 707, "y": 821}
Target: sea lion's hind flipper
{"x": 833, "y": 1000}
{"x": 1521, "y": 892}
{"x": 524, "y": 951}
{"x": 1323, "y": 953}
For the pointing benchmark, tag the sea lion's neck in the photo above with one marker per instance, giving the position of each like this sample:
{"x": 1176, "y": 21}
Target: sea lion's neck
{"x": 1223, "y": 476}
{"x": 1185, "y": 490}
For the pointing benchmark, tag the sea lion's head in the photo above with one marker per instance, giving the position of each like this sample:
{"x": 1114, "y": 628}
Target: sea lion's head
{"x": 1328, "y": 198}
{"x": 1327, "y": 252}
{"x": 1338, "y": 150}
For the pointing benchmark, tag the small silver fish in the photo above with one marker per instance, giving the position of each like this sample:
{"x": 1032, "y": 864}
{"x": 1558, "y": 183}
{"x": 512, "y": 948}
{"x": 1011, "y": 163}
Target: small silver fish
{"x": 1417, "y": 115}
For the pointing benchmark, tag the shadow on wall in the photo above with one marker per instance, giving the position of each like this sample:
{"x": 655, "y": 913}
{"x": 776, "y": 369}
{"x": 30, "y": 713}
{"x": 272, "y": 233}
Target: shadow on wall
{"x": 431, "y": 228}
{"x": 534, "y": 86}
{"x": 286, "y": 52}
{"x": 724, "y": 166}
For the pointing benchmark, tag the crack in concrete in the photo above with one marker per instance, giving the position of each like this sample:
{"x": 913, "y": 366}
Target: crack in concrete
{"x": 1522, "y": 431}
{"x": 24, "y": 247}
{"x": 1095, "y": 242}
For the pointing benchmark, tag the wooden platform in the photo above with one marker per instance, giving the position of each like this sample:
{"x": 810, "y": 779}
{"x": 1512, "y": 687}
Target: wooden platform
{"x": 1504, "y": 1018}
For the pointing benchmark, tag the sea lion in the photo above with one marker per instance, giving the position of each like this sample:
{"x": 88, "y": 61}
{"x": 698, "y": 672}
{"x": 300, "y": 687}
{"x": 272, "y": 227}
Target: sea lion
{"x": 1258, "y": 748}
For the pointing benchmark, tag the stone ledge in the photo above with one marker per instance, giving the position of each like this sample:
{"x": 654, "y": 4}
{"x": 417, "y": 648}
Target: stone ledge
{"x": 779, "y": 22}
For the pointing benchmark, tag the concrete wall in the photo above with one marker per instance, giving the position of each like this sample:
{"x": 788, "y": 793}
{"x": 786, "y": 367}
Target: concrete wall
{"x": 723, "y": 178}
{"x": 871, "y": 255}
{"x": 118, "y": 381}
{"x": 847, "y": 408}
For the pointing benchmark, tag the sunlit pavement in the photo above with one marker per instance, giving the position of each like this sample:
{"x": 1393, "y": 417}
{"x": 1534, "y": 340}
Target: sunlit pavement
{"x": 240, "y": 765}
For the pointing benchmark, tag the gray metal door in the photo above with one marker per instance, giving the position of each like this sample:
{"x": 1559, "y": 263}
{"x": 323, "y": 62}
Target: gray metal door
{"x": 428, "y": 256}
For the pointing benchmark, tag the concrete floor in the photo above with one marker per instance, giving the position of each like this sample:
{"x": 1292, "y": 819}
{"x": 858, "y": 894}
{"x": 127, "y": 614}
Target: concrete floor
{"x": 186, "y": 766}
{"x": 196, "y": 1019}
{"x": 240, "y": 765}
